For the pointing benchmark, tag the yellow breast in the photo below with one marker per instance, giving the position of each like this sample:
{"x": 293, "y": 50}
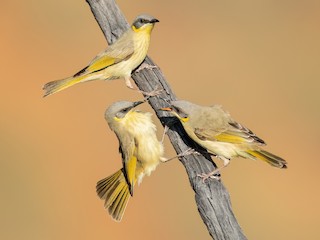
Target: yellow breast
{"x": 141, "y": 43}
{"x": 148, "y": 149}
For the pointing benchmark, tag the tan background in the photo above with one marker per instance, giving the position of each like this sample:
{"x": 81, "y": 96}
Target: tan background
{"x": 259, "y": 59}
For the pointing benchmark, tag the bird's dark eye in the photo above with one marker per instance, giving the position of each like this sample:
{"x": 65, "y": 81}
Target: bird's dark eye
{"x": 122, "y": 113}
{"x": 178, "y": 110}
{"x": 124, "y": 110}
{"x": 181, "y": 113}
{"x": 143, "y": 21}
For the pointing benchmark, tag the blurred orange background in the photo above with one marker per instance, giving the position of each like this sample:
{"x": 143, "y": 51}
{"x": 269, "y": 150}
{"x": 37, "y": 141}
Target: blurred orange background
{"x": 259, "y": 59}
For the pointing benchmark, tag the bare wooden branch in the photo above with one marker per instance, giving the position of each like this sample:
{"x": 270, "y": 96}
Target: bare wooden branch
{"x": 212, "y": 198}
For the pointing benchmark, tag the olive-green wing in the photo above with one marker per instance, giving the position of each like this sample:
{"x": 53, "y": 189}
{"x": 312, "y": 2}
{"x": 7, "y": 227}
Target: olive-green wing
{"x": 121, "y": 50}
{"x": 216, "y": 124}
{"x": 127, "y": 149}
{"x": 234, "y": 133}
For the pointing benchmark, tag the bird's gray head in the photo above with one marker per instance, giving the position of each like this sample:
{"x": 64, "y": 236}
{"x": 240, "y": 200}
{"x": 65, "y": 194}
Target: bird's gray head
{"x": 118, "y": 110}
{"x": 144, "y": 19}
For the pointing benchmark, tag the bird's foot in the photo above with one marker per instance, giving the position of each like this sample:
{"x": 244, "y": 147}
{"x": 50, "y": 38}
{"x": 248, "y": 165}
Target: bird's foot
{"x": 187, "y": 152}
{"x": 146, "y": 66}
{"x": 153, "y": 93}
{"x": 213, "y": 175}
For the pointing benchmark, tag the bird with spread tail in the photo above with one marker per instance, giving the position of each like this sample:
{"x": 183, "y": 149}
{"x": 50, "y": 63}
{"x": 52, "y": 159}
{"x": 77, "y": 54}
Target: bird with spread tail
{"x": 140, "y": 150}
{"x": 117, "y": 61}
{"x": 214, "y": 130}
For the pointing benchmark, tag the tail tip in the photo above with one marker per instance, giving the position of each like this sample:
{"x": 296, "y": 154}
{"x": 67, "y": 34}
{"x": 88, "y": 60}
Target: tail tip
{"x": 48, "y": 89}
{"x": 45, "y": 94}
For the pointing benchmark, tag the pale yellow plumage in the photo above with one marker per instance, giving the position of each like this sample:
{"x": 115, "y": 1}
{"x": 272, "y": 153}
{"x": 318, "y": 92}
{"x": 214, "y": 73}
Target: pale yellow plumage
{"x": 215, "y": 130}
{"x": 141, "y": 153}
{"x": 117, "y": 61}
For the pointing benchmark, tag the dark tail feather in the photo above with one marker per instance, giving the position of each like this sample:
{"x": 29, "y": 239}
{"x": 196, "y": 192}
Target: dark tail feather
{"x": 268, "y": 157}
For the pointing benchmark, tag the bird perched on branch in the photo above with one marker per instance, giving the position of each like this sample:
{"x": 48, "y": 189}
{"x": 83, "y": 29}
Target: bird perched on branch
{"x": 215, "y": 130}
{"x": 117, "y": 61}
{"x": 141, "y": 153}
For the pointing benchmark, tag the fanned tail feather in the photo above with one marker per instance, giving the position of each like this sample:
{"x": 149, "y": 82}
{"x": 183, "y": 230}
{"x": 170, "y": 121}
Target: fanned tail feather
{"x": 115, "y": 191}
{"x": 268, "y": 157}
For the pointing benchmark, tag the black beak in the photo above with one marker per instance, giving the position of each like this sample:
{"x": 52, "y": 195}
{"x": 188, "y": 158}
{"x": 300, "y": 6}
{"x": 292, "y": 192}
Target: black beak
{"x": 154, "y": 20}
{"x": 134, "y": 104}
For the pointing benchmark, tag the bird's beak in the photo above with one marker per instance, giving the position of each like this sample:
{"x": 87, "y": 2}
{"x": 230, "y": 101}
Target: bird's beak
{"x": 166, "y": 109}
{"x": 134, "y": 104}
{"x": 154, "y": 20}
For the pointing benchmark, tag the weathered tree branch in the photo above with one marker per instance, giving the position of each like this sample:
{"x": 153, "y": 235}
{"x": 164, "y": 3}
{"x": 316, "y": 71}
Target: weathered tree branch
{"x": 212, "y": 198}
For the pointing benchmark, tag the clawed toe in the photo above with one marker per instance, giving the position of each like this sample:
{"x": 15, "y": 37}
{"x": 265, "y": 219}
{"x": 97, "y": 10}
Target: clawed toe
{"x": 146, "y": 66}
{"x": 205, "y": 176}
{"x": 189, "y": 151}
{"x": 153, "y": 93}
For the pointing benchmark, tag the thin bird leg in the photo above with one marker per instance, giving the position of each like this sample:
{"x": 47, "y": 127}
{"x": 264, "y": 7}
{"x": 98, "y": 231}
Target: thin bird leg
{"x": 146, "y": 66}
{"x": 166, "y": 128}
{"x": 129, "y": 83}
{"x": 153, "y": 93}
{"x": 205, "y": 176}
{"x": 187, "y": 152}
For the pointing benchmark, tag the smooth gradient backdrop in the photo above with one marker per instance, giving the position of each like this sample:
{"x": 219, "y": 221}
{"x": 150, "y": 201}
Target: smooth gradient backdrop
{"x": 260, "y": 59}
